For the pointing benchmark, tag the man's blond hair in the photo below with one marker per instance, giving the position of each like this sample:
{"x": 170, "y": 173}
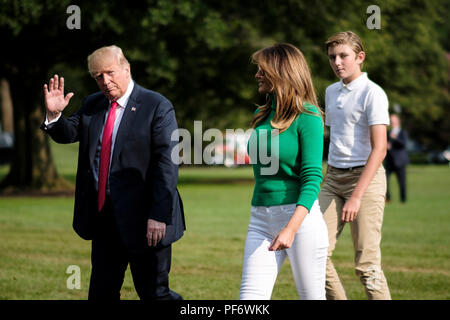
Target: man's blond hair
{"x": 98, "y": 55}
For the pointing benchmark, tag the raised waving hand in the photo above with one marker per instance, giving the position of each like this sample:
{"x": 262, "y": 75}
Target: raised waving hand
{"x": 55, "y": 101}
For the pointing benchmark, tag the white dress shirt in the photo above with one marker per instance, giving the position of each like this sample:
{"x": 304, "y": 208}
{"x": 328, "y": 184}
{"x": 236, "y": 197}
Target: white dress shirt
{"x": 122, "y": 103}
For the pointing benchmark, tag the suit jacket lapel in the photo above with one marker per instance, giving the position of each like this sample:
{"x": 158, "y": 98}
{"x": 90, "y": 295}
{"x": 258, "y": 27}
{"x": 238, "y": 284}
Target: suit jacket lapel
{"x": 95, "y": 128}
{"x": 126, "y": 123}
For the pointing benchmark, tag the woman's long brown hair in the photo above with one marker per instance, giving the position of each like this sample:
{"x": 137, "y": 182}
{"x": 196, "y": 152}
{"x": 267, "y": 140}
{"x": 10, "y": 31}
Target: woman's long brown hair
{"x": 286, "y": 70}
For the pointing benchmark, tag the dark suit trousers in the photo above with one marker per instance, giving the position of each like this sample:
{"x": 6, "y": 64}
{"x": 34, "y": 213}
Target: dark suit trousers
{"x": 149, "y": 269}
{"x": 400, "y": 172}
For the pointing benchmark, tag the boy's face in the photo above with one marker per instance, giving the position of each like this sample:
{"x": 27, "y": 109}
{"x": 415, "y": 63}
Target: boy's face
{"x": 345, "y": 63}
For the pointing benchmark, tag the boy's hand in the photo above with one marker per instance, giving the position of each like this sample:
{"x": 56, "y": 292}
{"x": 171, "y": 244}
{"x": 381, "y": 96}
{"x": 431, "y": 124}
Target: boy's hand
{"x": 350, "y": 210}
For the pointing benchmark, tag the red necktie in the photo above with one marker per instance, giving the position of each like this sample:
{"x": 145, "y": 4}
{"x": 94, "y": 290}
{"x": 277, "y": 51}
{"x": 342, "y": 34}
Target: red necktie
{"x": 105, "y": 154}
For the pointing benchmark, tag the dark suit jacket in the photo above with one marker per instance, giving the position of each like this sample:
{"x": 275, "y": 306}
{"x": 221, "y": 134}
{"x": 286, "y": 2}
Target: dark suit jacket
{"x": 142, "y": 179}
{"x": 397, "y": 156}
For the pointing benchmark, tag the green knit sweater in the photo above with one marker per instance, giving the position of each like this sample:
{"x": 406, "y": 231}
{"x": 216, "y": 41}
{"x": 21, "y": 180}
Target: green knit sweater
{"x": 300, "y": 161}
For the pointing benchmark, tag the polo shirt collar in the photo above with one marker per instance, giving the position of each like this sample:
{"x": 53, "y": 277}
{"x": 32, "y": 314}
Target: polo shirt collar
{"x": 358, "y": 82}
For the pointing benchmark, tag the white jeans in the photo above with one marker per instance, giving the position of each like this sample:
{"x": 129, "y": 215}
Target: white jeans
{"x": 307, "y": 255}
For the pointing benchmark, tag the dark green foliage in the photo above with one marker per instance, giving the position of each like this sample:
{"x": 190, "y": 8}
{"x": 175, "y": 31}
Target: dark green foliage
{"x": 197, "y": 53}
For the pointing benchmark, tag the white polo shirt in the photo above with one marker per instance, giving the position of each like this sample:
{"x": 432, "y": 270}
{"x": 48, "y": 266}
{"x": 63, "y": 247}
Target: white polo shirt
{"x": 349, "y": 111}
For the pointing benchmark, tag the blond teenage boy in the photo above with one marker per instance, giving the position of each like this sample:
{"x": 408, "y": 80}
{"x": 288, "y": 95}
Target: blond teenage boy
{"x": 356, "y": 111}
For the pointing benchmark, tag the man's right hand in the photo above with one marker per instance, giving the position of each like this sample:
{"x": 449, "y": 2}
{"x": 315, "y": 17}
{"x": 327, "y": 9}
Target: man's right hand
{"x": 55, "y": 102}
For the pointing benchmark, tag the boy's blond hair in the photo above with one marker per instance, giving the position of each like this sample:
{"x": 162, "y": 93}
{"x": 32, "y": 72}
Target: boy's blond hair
{"x": 346, "y": 37}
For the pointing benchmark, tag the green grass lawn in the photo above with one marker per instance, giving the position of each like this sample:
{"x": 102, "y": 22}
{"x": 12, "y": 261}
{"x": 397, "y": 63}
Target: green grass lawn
{"x": 37, "y": 243}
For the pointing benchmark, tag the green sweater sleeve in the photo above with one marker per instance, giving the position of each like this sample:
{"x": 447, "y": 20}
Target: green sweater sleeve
{"x": 310, "y": 129}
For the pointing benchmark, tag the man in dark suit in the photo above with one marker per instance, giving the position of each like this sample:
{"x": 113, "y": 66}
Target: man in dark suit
{"x": 397, "y": 156}
{"x": 126, "y": 199}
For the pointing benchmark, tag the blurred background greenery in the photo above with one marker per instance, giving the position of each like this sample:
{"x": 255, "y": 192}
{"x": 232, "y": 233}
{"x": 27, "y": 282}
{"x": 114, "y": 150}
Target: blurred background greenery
{"x": 197, "y": 53}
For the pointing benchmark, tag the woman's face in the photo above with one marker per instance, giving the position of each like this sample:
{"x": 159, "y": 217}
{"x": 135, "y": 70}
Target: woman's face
{"x": 264, "y": 85}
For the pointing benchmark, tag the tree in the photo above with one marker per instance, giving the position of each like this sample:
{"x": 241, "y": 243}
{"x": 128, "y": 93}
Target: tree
{"x": 6, "y": 107}
{"x": 156, "y": 35}
{"x": 30, "y": 55}
{"x": 197, "y": 53}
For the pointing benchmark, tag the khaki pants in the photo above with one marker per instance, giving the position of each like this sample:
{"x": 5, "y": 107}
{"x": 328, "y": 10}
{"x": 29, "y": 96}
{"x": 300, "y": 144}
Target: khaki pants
{"x": 365, "y": 230}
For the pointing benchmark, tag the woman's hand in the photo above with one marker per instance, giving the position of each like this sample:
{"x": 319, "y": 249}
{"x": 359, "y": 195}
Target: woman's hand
{"x": 286, "y": 236}
{"x": 283, "y": 240}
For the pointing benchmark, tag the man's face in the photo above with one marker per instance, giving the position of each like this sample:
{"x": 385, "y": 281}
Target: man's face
{"x": 111, "y": 77}
{"x": 345, "y": 63}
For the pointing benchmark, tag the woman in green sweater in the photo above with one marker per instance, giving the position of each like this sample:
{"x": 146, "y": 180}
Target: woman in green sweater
{"x": 285, "y": 216}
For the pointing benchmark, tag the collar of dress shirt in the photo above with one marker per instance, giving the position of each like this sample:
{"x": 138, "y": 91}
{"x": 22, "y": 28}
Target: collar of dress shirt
{"x": 355, "y": 83}
{"x": 123, "y": 100}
